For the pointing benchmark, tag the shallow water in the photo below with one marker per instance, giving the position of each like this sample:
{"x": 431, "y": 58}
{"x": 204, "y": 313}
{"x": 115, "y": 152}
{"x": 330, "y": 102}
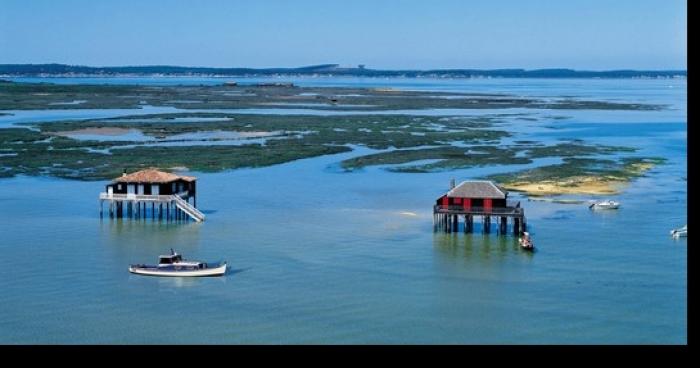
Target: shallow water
{"x": 319, "y": 255}
{"x": 110, "y": 134}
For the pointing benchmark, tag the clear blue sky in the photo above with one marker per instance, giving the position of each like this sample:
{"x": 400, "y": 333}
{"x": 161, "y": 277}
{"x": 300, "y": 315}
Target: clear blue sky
{"x": 579, "y": 34}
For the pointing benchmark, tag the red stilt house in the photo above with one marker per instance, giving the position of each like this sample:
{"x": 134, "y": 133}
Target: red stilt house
{"x": 477, "y": 198}
{"x": 475, "y": 194}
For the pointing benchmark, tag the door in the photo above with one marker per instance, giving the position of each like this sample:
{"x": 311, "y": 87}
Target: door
{"x": 110, "y": 190}
{"x": 467, "y": 203}
{"x": 140, "y": 189}
{"x": 130, "y": 190}
{"x": 155, "y": 189}
{"x": 487, "y": 204}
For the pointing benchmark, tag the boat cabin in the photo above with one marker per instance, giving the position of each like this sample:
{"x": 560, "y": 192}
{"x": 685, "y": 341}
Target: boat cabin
{"x": 169, "y": 259}
{"x": 174, "y": 261}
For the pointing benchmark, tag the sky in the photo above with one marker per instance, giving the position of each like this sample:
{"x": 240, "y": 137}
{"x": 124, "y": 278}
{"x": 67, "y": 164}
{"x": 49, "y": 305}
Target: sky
{"x": 436, "y": 34}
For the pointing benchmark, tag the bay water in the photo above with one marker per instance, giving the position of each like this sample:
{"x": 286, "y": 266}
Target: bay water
{"x": 320, "y": 255}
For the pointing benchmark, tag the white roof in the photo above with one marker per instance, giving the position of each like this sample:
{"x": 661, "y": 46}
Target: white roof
{"x": 477, "y": 189}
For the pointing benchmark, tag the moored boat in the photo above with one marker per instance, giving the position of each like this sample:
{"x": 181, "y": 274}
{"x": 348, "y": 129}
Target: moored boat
{"x": 526, "y": 241}
{"x": 173, "y": 265}
{"x": 605, "y": 205}
{"x": 680, "y": 232}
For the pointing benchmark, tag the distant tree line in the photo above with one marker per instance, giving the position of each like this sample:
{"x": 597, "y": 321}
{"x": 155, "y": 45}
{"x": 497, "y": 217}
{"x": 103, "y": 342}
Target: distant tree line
{"x": 325, "y": 69}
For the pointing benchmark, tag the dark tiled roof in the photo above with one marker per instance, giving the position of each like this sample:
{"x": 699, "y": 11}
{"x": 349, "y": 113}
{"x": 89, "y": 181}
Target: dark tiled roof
{"x": 478, "y": 189}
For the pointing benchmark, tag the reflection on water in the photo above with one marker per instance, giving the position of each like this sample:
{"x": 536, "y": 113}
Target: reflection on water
{"x": 475, "y": 248}
{"x": 185, "y": 282}
{"x": 149, "y": 238}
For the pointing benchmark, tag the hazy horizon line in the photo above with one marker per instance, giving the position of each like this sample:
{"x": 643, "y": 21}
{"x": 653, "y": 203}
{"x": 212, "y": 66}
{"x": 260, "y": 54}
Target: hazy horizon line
{"x": 341, "y": 66}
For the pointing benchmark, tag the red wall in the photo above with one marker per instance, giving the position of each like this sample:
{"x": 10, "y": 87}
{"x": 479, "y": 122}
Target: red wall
{"x": 467, "y": 203}
{"x": 487, "y": 203}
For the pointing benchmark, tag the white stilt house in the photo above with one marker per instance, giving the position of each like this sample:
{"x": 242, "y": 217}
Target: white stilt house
{"x": 171, "y": 194}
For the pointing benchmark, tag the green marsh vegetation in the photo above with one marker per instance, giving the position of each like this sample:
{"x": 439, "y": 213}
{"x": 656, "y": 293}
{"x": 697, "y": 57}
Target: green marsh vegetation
{"x": 34, "y": 96}
{"x": 451, "y": 157}
{"x": 578, "y": 176}
{"x": 46, "y": 151}
{"x": 448, "y": 142}
{"x": 621, "y": 169}
{"x": 411, "y": 143}
{"x": 25, "y": 152}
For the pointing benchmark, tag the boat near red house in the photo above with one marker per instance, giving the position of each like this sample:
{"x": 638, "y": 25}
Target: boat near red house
{"x": 480, "y": 198}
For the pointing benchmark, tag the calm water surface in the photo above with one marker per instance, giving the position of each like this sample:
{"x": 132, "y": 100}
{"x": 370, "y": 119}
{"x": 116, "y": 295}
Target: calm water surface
{"x": 318, "y": 255}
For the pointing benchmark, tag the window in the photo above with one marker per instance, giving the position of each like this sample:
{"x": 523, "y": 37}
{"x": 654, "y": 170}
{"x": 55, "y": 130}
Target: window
{"x": 165, "y": 260}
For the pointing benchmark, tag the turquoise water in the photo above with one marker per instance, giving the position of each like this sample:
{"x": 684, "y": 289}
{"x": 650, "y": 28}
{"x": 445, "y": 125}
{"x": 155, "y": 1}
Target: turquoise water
{"x": 323, "y": 256}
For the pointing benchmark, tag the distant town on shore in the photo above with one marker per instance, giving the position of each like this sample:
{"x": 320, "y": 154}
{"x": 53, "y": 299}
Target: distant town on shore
{"x": 63, "y": 70}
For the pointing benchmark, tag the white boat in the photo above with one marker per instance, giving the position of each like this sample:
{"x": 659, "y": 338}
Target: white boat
{"x": 681, "y": 232}
{"x": 526, "y": 242}
{"x": 173, "y": 265}
{"x": 605, "y": 205}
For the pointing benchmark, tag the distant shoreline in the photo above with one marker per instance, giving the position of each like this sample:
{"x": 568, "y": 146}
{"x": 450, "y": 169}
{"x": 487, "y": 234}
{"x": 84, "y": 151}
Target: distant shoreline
{"x": 325, "y": 70}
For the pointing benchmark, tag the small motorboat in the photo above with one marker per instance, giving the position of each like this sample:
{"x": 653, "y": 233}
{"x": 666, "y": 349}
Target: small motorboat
{"x": 526, "y": 241}
{"x": 605, "y": 205}
{"x": 173, "y": 265}
{"x": 680, "y": 232}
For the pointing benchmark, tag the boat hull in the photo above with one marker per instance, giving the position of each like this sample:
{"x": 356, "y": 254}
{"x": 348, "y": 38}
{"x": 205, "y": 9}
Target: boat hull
{"x": 526, "y": 245}
{"x": 605, "y": 207}
{"x": 680, "y": 234}
{"x": 206, "y": 272}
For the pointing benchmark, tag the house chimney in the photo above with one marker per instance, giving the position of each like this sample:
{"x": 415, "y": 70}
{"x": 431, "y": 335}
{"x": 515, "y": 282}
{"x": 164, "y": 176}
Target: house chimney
{"x": 124, "y": 173}
{"x": 452, "y": 183}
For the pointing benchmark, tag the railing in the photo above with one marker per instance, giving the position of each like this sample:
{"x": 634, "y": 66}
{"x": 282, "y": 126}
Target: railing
{"x": 188, "y": 208}
{"x": 140, "y": 197}
{"x": 512, "y": 211}
{"x": 179, "y": 202}
{"x": 514, "y": 204}
{"x": 136, "y": 197}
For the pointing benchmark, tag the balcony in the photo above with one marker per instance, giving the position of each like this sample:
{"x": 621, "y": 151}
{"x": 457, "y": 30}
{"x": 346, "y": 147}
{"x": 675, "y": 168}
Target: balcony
{"x": 141, "y": 197}
{"x": 512, "y": 209}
